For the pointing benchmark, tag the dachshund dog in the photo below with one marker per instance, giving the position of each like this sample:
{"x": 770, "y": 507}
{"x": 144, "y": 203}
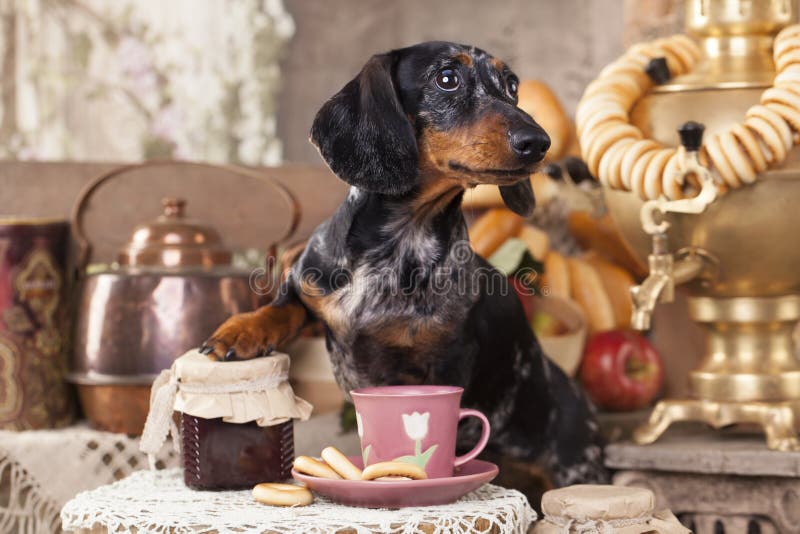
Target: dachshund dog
{"x": 390, "y": 275}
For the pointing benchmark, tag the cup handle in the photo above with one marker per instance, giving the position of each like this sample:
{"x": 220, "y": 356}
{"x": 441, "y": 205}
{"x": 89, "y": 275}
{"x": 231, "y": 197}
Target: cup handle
{"x": 461, "y": 460}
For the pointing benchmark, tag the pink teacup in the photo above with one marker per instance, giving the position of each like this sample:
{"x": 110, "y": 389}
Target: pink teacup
{"x": 414, "y": 424}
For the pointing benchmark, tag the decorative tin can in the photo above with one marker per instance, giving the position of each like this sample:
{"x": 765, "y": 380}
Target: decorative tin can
{"x": 33, "y": 325}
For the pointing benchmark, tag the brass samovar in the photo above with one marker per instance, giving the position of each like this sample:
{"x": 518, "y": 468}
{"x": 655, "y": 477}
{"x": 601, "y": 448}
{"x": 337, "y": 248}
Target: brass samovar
{"x": 738, "y": 259}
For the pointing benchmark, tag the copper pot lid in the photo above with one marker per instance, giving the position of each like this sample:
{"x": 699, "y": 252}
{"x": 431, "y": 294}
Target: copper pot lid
{"x": 172, "y": 240}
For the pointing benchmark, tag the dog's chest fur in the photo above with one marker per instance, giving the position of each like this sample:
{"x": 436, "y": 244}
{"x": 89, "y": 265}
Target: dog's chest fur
{"x": 393, "y": 290}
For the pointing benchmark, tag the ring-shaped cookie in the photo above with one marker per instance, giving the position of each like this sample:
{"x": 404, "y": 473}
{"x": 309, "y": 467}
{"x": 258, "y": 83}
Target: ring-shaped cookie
{"x": 282, "y": 494}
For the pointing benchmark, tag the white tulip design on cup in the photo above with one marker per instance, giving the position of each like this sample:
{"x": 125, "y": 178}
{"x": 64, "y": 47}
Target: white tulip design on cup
{"x": 416, "y": 427}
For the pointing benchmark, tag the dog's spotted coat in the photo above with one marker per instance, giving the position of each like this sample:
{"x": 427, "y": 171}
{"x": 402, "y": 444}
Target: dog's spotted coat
{"x": 388, "y": 275}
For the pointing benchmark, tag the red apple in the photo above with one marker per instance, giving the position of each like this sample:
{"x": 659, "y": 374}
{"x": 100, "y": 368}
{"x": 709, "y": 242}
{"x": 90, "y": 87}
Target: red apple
{"x": 621, "y": 371}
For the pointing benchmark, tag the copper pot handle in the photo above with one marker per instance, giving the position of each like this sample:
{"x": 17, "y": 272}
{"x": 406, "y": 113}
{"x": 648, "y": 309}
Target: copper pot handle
{"x": 76, "y": 216}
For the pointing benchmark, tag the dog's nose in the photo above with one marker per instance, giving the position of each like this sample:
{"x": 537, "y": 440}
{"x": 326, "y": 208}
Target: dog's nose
{"x": 530, "y": 144}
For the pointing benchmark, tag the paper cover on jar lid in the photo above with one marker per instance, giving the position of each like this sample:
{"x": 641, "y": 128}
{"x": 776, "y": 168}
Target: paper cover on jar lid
{"x": 598, "y": 502}
{"x": 238, "y": 392}
{"x": 604, "y": 509}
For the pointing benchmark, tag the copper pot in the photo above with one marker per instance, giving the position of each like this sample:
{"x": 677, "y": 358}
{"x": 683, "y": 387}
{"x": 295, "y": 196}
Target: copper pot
{"x": 173, "y": 284}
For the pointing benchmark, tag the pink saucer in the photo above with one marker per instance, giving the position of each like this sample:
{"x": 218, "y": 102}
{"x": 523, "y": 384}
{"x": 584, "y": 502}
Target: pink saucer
{"x": 390, "y": 494}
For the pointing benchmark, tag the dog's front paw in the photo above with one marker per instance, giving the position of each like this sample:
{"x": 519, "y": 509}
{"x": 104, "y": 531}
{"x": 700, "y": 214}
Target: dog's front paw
{"x": 241, "y": 337}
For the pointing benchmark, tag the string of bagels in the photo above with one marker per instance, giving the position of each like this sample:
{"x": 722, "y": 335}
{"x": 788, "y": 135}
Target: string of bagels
{"x": 621, "y": 157}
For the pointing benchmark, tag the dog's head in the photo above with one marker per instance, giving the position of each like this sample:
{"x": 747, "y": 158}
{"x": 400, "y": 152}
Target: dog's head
{"x": 433, "y": 110}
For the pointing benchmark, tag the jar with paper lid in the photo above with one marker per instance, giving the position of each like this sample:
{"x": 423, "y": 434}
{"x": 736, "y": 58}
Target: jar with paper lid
{"x": 603, "y": 509}
{"x": 236, "y": 419}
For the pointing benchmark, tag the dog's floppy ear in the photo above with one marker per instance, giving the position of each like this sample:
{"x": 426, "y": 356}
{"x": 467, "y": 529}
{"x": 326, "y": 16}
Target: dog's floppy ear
{"x": 519, "y": 197}
{"x": 364, "y": 135}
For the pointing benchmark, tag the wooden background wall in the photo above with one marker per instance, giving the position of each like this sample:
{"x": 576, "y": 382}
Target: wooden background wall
{"x": 564, "y": 42}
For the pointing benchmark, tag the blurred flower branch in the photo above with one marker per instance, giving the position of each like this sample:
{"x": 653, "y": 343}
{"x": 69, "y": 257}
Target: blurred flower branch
{"x": 140, "y": 79}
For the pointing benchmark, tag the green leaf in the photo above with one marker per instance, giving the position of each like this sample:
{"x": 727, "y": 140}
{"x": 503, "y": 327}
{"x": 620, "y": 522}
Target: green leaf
{"x": 420, "y": 460}
{"x": 509, "y": 256}
{"x": 410, "y": 459}
{"x": 426, "y": 456}
{"x": 514, "y": 259}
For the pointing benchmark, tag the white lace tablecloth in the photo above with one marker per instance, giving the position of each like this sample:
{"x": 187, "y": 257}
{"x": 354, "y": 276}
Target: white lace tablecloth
{"x": 158, "y": 502}
{"x": 40, "y": 470}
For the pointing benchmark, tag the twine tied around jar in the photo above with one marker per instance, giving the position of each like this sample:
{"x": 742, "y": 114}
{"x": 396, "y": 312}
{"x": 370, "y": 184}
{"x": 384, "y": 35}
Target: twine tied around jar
{"x": 238, "y": 392}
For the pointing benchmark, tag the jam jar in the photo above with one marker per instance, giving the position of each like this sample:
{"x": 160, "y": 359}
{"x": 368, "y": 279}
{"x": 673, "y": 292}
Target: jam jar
{"x": 236, "y": 420}
{"x": 220, "y": 455}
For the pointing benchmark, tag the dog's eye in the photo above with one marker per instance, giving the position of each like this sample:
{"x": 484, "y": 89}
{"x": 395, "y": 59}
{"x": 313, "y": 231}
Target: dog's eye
{"x": 447, "y": 80}
{"x": 513, "y": 87}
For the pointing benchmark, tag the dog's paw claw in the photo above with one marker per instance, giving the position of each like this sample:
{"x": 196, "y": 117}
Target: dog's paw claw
{"x": 230, "y": 355}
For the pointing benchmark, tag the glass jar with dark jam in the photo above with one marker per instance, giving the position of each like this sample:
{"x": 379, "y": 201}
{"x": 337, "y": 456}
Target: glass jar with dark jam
{"x": 219, "y": 455}
{"x": 236, "y": 419}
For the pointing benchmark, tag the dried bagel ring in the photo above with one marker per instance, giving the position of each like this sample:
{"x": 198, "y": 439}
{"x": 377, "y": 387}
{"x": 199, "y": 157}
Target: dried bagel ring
{"x": 632, "y": 154}
{"x": 393, "y": 469}
{"x": 736, "y": 156}
{"x": 690, "y": 45}
{"x": 720, "y": 162}
{"x": 751, "y": 146}
{"x": 589, "y": 136}
{"x": 685, "y": 58}
{"x": 608, "y": 137}
{"x": 587, "y": 107}
{"x": 630, "y": 68}
{"x": 311, "y": 466}
{"x": 612, "y": 83}
{"x": 691, "y": 50}
{"x": 789, "y": 74}
{"x": 655, "y": 170}
{"x": 733, "y": 153}
{"x": 776, "y": 121}
{"x": 596, "y": 114}
{"x": 791, "y": 87}
{"x": 639, "y": 170}
{"x": 340, "y": 463}
{"x": 282, "y": 494}
{"x": 788, "y": 33}
{"x": 670, "y": 182}
{"x": 644, "y": 52}
{"x": 782, "y": 95}
{"x": 602, "y": 114}
{"x": 770, "y": 138}
{"x": 783, "y": 47}
{"x": 790, "y": 57}
{"x": 610, "y": 163}
{"x": 674, "y": 62}
{"x": 788, "y": 113}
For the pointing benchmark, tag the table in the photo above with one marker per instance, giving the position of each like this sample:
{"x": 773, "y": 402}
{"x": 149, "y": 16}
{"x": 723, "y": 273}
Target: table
{"x": 159, "y": 502}
{"x": 715, "y": 480}
{"x": 40, "y": 470}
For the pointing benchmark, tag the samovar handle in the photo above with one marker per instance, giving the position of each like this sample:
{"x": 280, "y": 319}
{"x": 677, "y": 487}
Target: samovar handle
{"x": 665, "y": 271}
{"x": 691, "y": 134}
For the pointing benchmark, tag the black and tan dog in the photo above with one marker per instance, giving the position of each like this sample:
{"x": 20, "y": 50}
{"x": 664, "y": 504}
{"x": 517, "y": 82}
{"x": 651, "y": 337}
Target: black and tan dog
{"x": 403, "y": 299}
